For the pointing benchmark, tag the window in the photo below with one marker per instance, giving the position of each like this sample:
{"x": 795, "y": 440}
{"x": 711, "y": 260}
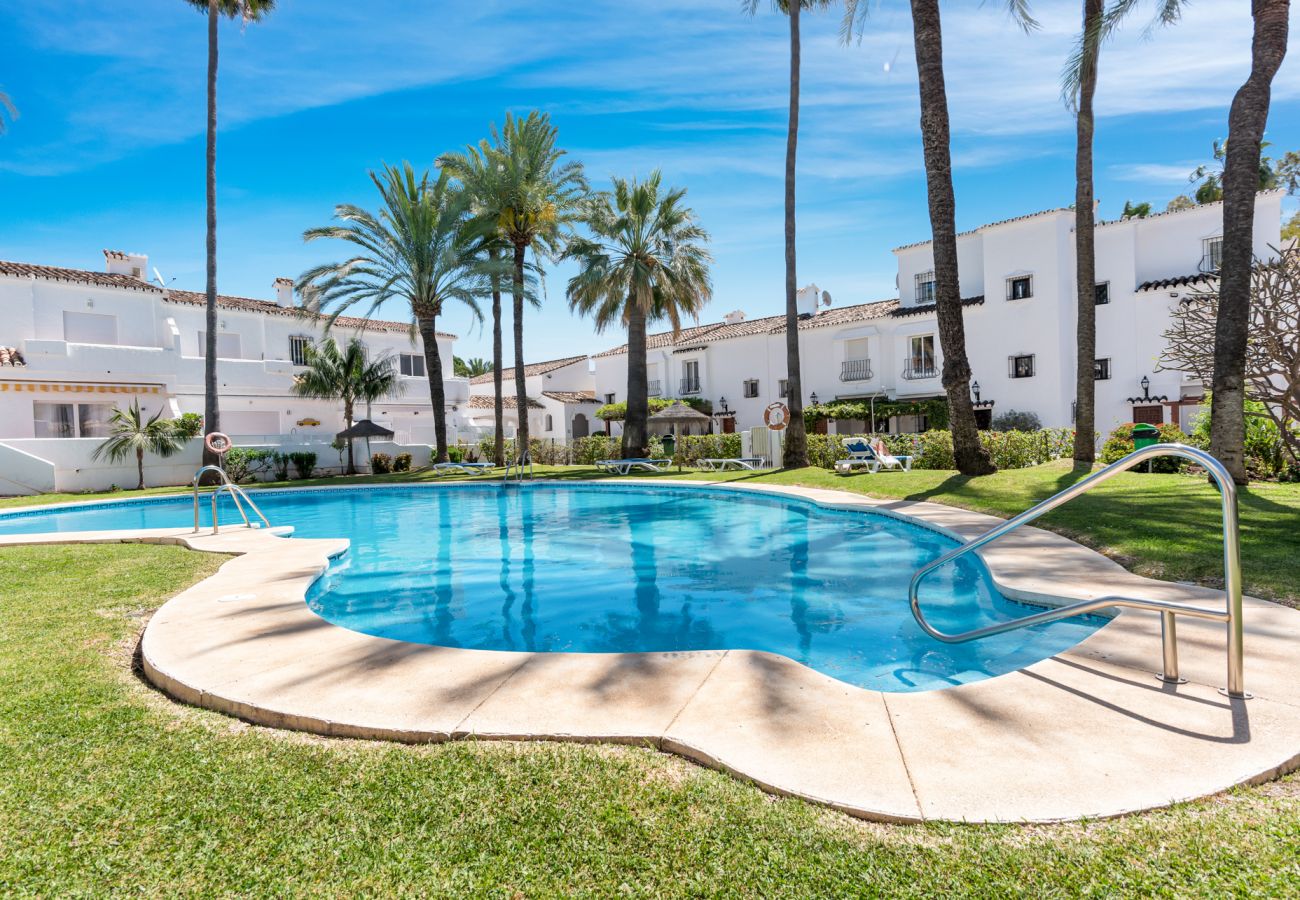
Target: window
{"x": 1022, "y": 366}
{"x": 924, "y": 283}
{"x": 1101, "y": 369}
{"x": 70, "y": 420}
{"x": 751, "y": 388}
{"x": 609, "y": 398}
{"x": 1211, "y": 254}
{"x": 920, "y": 357}
{"x": 1148, "y": 415}
{"x": 550, "y": 422}
{"x": 1102, "y": 295}
{"x": 298, "y": 345}
{"x": 856, "y": 349}
{"x": 89, "y": 328}
{"x": 690, "y": 376}
{"x": 411, "y": 364}
{"x": 227, "y": 345}
{"x": 1020, "y": 287}
{"x": 783, "y": 387}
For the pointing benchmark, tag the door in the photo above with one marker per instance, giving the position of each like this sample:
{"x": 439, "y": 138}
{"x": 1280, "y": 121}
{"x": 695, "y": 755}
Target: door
{"x": 729, "y": 425}
{"x": 580, "y": 427}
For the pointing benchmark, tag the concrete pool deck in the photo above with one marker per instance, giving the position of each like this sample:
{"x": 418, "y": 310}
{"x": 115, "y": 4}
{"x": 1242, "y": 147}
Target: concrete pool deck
{"x": 1089, "y": 732}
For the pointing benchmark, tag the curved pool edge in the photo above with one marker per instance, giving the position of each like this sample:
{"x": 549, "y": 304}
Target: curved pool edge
{"x": 1019, "y": 747}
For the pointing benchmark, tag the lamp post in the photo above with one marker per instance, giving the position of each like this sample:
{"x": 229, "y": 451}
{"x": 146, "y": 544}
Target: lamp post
{"x": 813, "y": 398}
{"x": 722, "y": 402}
{"x": 975, "y": 389}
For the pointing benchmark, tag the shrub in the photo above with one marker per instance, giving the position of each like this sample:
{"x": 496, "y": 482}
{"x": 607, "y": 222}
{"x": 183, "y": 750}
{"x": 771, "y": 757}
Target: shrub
{"x": 455, "y": 453}
{"x": 586, "y": 451}
{"x": 402, "y": 461}
{"x": 1120, "y": 444}
{"x": 241, "y": 463}
{"x": 304, "y": 463}
{"x": 381, "y": 463}
{"x": 188, "y": 426}
{"x": 694, "y": 447}
{"x": 279, "y": 462}
{"x": 1014, "y": 420}
{"x": 933, "y": 449}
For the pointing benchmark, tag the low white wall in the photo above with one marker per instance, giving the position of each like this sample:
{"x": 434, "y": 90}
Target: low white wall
{"x": 22, "y": 473}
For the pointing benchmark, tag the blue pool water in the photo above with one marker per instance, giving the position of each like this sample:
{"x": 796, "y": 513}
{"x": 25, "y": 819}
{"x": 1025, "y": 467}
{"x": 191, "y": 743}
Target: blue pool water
{"x": 606, "y": 568}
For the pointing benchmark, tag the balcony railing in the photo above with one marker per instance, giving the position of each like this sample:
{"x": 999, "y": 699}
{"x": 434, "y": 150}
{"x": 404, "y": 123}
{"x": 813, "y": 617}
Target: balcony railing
{"x": 855, "y": 370}
{"x": 690, "y": 386}
{"x": 917, "y": 369}
{"x": 654, "y": 387}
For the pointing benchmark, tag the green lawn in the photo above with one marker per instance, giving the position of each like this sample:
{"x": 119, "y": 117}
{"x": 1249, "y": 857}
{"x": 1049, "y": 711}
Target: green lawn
{"x": 108, "y": 788}
{"x": 1163, "y": 526}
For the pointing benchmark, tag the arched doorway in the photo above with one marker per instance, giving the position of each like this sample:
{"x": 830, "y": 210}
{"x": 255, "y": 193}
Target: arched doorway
{"x": 580, "y": 426}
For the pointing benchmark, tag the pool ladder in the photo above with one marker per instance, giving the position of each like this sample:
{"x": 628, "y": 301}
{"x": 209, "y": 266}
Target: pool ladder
{"x": 1230, "y": 614}
{"x": 518, "y": 466}
{"x": 236, "y": 493}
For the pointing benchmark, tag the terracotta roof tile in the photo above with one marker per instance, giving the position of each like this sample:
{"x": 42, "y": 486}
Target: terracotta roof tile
{"x": 11, "y": 356}
{"x": 79, "y": 276}
{"x": 530, "y": 369}
{"x": 484, "y": 401}
{"x": 270, "y": 307}
{"x": 1032, "y": 215}
{"x": 1197, "y": 279}
{"x": 571, "y": 396}
{"x": 904, "y": 311}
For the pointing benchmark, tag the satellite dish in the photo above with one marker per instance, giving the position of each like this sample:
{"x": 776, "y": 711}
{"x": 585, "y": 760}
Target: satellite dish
{"x": 826, "y": 298}
{"x": 159, "y": 278}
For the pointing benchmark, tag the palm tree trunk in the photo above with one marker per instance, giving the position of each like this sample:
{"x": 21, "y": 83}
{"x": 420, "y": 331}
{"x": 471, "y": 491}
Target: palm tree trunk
{"x": 211, "y": 414}
{"x": 347, "y": 418}
{"x": 971, "y": 457}
{"x": 139, "y": 466}
{"x": 795, "y": 455}
{"x": 498, "y": 404}
{"x": 437, "y": 395}
{"x": 1246, "y": 121}
{"x": 1085, "y": 250}
{"x": 636, "y": 421}
{"x": 521, "y": 394}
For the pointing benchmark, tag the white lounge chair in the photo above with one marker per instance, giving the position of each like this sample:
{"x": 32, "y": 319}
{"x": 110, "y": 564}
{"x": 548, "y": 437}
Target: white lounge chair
{"x": 861, "y": 453}
{"x": 461, "y": 468}
{"x": 715, "y": 464}
{"x": 625, "y": 466}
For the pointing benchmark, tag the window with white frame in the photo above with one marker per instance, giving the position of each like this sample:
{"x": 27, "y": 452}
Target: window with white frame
{"x": 228, "y": 346}
{"x": 783, "y": 387}
{"x": 924, "y": 287}
{"x": 550, "y": 422}
{"x": 1101, "y": 293}
{"x": 690, "y": 376}
{"x": 411, "y": 364}
{"x": 1211, "y": 254}
{"x": 1020, "y": 287}
{"x": 71, "y": 420}
{"x": 1021, "y": 366}
{"x": 751, "y": 388}
{"x": 920, "y": 357}
{"x": 1101, "y": 369}
{"x": 298, "y": 345}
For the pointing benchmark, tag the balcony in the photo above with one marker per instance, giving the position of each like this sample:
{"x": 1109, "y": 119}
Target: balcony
{"x": 689, "y": 386}
{"x": 918, "y": 369}
{"x": 856, "y": 370}
{"x": 654, "y": 387}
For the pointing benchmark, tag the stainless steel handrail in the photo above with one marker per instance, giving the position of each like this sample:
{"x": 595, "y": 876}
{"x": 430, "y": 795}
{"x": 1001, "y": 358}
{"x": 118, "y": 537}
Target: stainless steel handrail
{"x": 236, "y": 493}
{"x": 518, "y": 464}
{"x": 1230, "y": 614}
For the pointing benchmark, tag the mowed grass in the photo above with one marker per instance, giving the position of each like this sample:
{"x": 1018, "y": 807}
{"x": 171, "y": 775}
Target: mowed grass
{"x": 108, "y": 788}
{"x": 1161, "y": 526}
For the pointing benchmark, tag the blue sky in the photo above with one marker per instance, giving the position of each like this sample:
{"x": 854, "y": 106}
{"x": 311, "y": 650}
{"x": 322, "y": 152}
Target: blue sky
{"x": 108, "y": 148}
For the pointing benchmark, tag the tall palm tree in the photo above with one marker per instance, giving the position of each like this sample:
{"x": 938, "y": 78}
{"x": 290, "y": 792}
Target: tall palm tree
{"x": 420, "y": 249}
{"x": 474, "y": 367}
{"x": 347, "y": 374}
{"x": 645, "y": 259}
{"x": 1078, "y": 85}
{"x": 795, "y": 454}
{"x": 927, "y": 33}
{"x": 248, "y": 11}
{"x": 540, "y": 197}
{"x": 130, "y": 433}
{"x": 1246, "y": 120}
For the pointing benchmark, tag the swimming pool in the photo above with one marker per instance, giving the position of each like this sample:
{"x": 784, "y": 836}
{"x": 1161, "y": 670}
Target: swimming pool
{"x": 623, "y": 568}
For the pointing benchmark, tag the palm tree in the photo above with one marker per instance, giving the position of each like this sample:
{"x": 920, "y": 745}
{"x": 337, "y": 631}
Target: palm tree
{"x": 927, "y": 32}
{"x": 131, "y": 433}
{"x": 540, "y": 196}
{"x": 349, "y": 375}
{"x": 419, "y": 249}
{"x": 795, "y": 454}
{"x": 1246, "y": 120}
{"x": 645, "y": 260}
{"x": 248, "y": 11}
{"x": 471, "y": 368}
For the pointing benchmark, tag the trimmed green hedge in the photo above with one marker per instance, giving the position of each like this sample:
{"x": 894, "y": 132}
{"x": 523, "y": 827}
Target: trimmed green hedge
{"x": 933, "y": 449}
{"x": 617, "y": 412}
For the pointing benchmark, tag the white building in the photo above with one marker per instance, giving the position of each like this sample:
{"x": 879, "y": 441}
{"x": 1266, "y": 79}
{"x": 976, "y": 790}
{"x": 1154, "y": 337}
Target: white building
{"x": 1017, "y": 281}
{"x": 561, "y": 400}
{"x": 74, "y": 344}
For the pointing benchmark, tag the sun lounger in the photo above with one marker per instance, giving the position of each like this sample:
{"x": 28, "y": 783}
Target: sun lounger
{"x": 461, "y": 468}
{"x": 860, "y": 453}
{"x": 625, "y": 466}
{"x": 732, "y": 462}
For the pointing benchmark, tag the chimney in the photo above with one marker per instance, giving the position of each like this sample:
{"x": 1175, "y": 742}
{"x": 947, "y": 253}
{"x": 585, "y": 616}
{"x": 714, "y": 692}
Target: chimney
{"x": 735, "y": 317}
{"x": 807, "y": 300}
{"x": 134, "y": 264}
{"x": 284, "y": 292}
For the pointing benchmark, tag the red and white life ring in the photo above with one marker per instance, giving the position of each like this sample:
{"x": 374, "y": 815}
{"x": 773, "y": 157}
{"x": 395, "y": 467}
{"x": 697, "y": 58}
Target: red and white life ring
{"x": 776, "y": 416}
{"x": 217, "y": 442}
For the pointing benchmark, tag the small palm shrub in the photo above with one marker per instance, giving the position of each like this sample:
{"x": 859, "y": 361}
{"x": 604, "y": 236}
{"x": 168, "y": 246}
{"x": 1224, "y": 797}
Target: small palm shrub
{"x": 455, "y": 453}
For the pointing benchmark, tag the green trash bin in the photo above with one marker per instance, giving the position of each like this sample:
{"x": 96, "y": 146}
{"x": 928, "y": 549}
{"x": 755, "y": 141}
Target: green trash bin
{"x": 670, "y": 445}
{"x": 1145, "y": 436}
